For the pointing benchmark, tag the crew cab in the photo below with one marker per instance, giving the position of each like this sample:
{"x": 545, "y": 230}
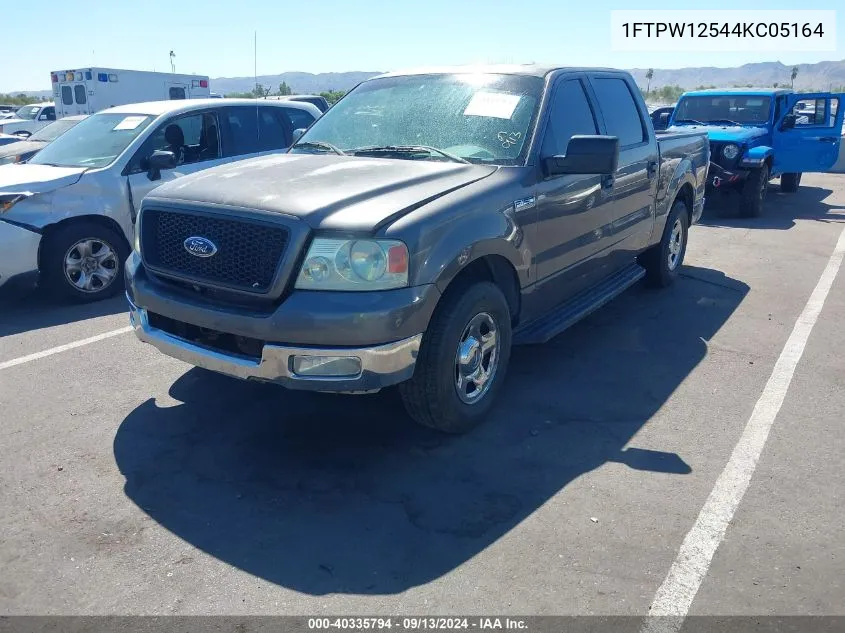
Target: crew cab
{"x": 67, "y": 215}
{"x": 756, "y": 135}
{"x": 414, "y": 233}
{"x": 29, "y": 119}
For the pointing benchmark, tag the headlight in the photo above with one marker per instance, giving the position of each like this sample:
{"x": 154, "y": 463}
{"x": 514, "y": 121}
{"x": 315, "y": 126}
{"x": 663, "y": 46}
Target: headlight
{"x": 730, "y": 151}
{"x": 8, "y": 200}
{"x": 364, "y": 264}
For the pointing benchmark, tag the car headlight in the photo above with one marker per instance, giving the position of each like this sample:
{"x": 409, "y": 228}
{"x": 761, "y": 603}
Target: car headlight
{"x": 8, "y": 200}
{"x": 730, "y": 151}
{"x": 356, "y": 264}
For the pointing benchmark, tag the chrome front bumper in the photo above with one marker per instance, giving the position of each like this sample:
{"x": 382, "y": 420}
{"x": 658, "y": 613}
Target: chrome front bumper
{"x": 380, "y": 365}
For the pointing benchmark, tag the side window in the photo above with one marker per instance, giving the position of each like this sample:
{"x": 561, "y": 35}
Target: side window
{"x": 569, "y": 114}
{"x": 274, "y": 130}
{"x": 298, "y": 118}
{"x": 192, "y": 138}
{"x": 79, "y": 93}
{"x": 67, "y": 95}
{"x": 50, "y": 113}
{"x": 621, "y": 114}
{"x": 240, "y": 130}
{"x": 815, "y": 112}
{"x": 177, "y": 92}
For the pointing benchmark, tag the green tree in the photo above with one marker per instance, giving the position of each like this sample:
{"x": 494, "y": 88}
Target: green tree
{"x": 649, "y": 74}
{"x": 284, "y": 89}
{"x": 332, "y": 96}
{"x": 793, "y": 75}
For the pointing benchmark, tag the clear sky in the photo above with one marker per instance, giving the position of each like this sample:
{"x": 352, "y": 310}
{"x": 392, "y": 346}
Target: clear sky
{"x": 216, "y": 38}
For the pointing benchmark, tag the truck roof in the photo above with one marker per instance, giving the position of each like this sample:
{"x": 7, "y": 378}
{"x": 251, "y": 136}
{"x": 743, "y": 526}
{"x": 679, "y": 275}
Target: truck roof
{"x": 529, "y": 70}
{"x": 770, "y": 92}
{"x": 157, "y": 108}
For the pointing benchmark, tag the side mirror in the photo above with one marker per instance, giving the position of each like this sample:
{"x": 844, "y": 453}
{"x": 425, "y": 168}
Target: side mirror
{"x": 663, "y": 121}
{"x": 158, "y": 160}
{"x": 42, "y": 117}
{"x": 297, "y": 134}
{"x": 585, "y": 155}
{"x": 788, "y": 122}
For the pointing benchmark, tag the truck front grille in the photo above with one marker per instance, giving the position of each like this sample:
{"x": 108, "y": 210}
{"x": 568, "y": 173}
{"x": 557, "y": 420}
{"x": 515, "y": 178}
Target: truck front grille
{"x": 248, "y": 251}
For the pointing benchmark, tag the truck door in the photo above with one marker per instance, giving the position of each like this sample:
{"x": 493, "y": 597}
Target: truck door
{"x": 808, "y": 140}
{"x": 635, "y": 181}
{"x": 193, "y": 138}
{"x": 80, "y": 99}
{"x": 574, "y": 214}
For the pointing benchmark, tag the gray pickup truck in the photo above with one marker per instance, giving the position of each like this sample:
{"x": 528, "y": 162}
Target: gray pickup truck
{"x": 425, "y": 224}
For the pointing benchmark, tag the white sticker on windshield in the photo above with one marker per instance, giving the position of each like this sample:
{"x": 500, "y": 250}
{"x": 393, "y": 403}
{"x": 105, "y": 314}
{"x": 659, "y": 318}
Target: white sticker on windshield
{"x": 129, "y": 123}
{"x": 492, "y": 104}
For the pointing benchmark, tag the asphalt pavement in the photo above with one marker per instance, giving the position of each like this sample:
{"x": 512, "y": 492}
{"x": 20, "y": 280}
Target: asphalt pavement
{"x": 135, "y": 484}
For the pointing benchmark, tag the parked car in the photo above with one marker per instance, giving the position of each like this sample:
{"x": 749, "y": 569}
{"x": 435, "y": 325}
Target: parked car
{"x": 29, "y": 119}
{"x": 660, "y": 117}
{"x": 423, "y": 225}
{"x": 24, "y": 149}
{"x": 69, "y": 213}
{"x": 5, "y": 139}
{"x": 756, "y": 135}
{"x": 315, "y": 100}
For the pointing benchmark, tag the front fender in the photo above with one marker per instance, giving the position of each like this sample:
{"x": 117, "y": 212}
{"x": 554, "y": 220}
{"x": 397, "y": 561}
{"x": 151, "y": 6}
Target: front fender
{"x": 684, "y": 173}
{"x": 756, "y": 156}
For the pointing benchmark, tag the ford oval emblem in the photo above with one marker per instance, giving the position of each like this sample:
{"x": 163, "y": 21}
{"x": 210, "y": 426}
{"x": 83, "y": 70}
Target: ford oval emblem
{"x": 199, "y": 246}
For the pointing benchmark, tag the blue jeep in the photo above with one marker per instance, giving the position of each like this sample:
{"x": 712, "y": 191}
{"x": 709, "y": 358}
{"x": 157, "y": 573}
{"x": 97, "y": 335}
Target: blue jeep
{"x": 756, "y": 135}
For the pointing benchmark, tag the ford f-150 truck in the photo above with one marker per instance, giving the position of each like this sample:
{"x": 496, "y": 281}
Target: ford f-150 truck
{"x": 756, "y": 135}
{"x": 429, "y": 221}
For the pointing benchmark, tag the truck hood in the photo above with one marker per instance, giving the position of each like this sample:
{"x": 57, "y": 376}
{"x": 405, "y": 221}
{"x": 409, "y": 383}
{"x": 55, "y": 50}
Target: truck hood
{"x": 14, "y": 120}
{"x": 326, "y": 191}
{"x": 24, "y": 177}
{"x": 725, "y": 133}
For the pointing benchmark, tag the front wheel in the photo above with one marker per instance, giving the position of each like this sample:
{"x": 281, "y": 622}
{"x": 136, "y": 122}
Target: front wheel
{"x": 754, "y": 192}
{"x": 789, "y": 183}
{"x": 84, "y": 261}
{"x": 462, "y": 361}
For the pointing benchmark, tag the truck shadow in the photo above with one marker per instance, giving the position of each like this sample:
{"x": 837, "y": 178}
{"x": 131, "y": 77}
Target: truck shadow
{"x": 28, "y": 310}
{"x": 780, "y": 212}
{"x": 343, "y": 494}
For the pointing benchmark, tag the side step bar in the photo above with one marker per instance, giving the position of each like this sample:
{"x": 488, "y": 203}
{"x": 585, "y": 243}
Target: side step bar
{"x": 567, "y": 314}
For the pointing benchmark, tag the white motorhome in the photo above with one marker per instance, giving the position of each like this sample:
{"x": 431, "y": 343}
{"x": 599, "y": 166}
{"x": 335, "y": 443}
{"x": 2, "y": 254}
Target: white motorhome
{"x": 89, "y": 90}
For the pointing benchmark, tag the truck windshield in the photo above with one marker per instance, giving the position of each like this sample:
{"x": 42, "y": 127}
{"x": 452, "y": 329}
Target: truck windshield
{"x": 724, "y": 108}
{"x": 94, "y": 142}
{"x": 27, "y": 112}
{"x": 480, "y": 118}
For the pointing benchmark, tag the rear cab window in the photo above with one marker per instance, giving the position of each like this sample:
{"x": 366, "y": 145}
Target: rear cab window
{"x": 622, "y": 116}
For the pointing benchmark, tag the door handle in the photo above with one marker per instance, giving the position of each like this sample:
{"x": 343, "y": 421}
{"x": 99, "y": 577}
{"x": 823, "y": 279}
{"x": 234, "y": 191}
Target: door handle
{"x": 607, "y": 181}
{"x": 652, "y": 168}
{"x": 828, "y": 139}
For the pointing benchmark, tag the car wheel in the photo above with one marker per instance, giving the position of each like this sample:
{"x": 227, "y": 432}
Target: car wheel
{"x": 789, "y": 183}
{"x": 663, "y": 261}
{"x": 462, "y": 360}
{"x": 754, "y": 192}
{"x": 84, "y": 261}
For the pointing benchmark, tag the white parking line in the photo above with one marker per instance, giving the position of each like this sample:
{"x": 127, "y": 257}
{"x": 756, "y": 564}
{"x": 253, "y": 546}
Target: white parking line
{"x": 675, "y": 595}
{"x": 63, "y": 348}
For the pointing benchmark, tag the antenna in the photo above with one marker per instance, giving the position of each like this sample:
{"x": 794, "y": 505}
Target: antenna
{"x": 255, "y": 60}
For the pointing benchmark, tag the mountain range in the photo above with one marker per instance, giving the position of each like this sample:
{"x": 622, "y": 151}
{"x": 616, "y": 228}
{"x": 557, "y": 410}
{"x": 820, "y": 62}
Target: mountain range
{"x": 820, "y": 76}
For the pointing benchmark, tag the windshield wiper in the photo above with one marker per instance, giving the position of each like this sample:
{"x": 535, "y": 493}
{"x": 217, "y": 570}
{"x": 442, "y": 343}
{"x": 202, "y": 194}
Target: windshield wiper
{"x": 406, "y": 149}
{"x": 728, "y": 121}
{"x": 321, "y": 145}
{"x": 688, "y": 121}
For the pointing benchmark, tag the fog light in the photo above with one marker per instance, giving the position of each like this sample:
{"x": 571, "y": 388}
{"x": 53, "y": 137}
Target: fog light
{"x": 327, "y": 366}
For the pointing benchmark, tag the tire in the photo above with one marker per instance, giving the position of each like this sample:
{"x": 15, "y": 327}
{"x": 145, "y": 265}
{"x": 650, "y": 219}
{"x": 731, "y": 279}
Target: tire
{"x": 431, "y": 397}
{"x": 662, "y": 262}
{"x": 789, "y": 183}
{"x": 84, "y": 242}
{"x": 754, "y": 193}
